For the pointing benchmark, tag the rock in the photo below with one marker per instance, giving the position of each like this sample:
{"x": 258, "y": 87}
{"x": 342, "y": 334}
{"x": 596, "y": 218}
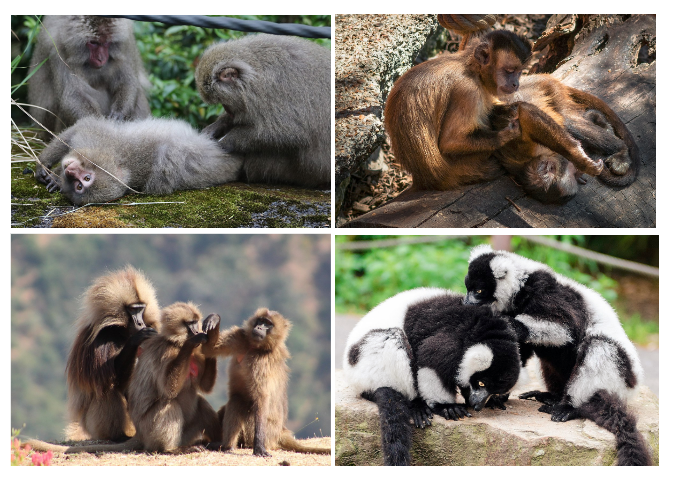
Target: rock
{"x": 371, "y": 52}
{"x": 520, "y": 435}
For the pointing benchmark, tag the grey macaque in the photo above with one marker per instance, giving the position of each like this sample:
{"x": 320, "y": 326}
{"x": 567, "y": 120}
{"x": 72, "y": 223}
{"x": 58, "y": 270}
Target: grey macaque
{"x": 93, "y": 69}
{"x": 102, "y": 159}
{"x": 276, "y": 94}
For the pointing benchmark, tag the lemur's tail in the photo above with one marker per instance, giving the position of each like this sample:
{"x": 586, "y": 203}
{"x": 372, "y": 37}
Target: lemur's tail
{"x": 394, "y": 422}
{"x": 609, "y": 412}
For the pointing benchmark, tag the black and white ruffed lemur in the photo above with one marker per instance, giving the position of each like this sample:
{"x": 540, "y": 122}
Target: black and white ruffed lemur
{"x": 414, "y": 351}
{"x": 589, "y": 366}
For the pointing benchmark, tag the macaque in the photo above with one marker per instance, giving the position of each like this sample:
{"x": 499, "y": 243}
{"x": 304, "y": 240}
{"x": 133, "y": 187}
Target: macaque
{"x": 275, "y": 91}
{"x": 93, "y": 68}
{"x": 102, "y": 160}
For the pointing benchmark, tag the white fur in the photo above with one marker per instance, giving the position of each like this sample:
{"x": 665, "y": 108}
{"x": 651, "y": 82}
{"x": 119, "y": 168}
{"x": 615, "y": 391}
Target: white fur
{"x": 478, "y": 251}
{"x": 431, "y": 388}
{"x": 477, "y": 358}
{"x": 598, "y": 372}
{"x": 383, "y": 363}
{"x": 544, "y": 332}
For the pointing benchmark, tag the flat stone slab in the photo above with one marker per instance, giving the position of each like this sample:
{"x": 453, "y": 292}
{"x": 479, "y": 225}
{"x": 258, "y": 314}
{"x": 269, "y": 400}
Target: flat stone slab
{"x": 520, "y": 435}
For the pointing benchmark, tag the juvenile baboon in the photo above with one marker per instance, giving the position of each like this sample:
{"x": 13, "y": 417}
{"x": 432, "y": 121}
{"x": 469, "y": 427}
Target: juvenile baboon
{"x": 437, "y": 114}
{"x": 102, "y": 160}
{"x": 534, "y": 160}
{"x": 93, "y": 68}
{"x": 257, "y": 410}
{"x": 120, "y": 311}
{"x": 167, "y": 410}
{"x": 276, "y": 94}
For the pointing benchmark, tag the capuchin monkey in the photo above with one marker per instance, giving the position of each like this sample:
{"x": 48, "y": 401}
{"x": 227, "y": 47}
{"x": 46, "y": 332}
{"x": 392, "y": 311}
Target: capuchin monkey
{"x": 276, "y": 94}
{"x": 93, "y": 68}
{"x": 536, "y": 160}
{"x": 165, "y": 403}
{"x": 257, "y": 410}
{"x": 437, "y": 114}
{"x": 120, "y": 311}
{"x": 102, "y": 160}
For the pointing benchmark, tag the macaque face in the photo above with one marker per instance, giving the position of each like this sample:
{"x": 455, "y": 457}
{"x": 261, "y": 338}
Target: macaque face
{"x": 78, "y": 178}
{"x": 98, "y": 53}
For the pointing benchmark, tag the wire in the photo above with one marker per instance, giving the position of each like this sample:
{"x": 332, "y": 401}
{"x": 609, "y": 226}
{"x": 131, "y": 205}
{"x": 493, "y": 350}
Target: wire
{"x": 235, "y": 24}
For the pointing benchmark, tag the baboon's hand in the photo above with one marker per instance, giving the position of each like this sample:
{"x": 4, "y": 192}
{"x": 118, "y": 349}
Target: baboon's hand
{"x": 197, "y": 339}
{"x": 210, "y": 323}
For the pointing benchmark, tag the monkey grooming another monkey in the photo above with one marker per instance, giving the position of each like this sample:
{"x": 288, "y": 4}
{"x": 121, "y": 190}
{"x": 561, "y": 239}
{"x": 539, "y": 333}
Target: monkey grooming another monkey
{"x": 120, "y": 312}
{"x": 437, "y": 114}
{"x": 277, "y": 99}
{"x": 533, "y": 159}
{"x": 93, "y": 68}
{"x": 165, "y": 405}
{"x": 102, "y": 160}
{"x": 257, "y": 410}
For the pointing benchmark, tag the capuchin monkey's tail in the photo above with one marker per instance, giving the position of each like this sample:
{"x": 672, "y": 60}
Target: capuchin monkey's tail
{"x": 395, "y": 425}
{"x": 609, "y": 412}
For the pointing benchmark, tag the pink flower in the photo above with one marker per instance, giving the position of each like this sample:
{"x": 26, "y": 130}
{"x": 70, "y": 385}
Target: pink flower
{"x": 42, "y": 459}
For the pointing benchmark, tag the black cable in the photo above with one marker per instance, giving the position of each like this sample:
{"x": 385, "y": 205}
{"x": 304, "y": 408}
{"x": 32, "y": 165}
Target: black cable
{"x": 235, "y": 24}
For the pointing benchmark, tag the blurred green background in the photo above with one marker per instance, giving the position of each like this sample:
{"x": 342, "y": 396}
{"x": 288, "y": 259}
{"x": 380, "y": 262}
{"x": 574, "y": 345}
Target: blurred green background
{"x": 170, "y": 55}
{"x": 366, "y": 276}
{"x": 231, "y": 275}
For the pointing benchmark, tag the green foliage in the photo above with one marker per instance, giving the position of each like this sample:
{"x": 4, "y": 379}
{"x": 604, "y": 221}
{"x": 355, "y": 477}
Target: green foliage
{"x": 365, "y": 278}
{"x": 170, "y": 55}
{"x": 638, "y": 330}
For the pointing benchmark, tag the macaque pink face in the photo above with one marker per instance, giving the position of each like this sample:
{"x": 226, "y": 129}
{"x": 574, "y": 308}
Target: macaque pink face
{"x": 98, "y": 53}
{"x": 80, "y": 177}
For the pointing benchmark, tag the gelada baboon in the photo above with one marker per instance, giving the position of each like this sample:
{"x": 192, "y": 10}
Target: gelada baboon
{"x": 102, "y": 160}
{"x": 93, "y": 68}
{"x": 536, "y": 161}
{"x": 119, "y": 312}
{"x": 276, "y": 94}
{"x": 165, "y": 405}
{"x": 257, "y": 410}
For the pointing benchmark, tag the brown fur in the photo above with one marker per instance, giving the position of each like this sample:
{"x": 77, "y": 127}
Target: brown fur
{"x": 96, "y": 394}
{"x": 168, "y": 412}
{"x": 556, "y": 126}
{"x": 257, "y": 410}
{"x": 437, "y": 113}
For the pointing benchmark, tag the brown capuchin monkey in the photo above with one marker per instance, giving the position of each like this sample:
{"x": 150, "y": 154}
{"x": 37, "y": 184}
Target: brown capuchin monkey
{"x": 257, "y": 410}
{"x": 437, "y": 114}
{"x": 536, "y": 161}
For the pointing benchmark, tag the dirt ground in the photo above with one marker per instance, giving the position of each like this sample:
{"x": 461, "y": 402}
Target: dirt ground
{"x": 238, "y": 457}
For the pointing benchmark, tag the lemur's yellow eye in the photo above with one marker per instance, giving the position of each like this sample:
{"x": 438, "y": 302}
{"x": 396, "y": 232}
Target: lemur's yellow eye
{"x": 480, "y": 384}
{"x": 479, "y": 291}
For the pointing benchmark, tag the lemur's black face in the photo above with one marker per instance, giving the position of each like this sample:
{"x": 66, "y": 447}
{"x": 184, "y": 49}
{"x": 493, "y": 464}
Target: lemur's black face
{"x": 498, "y": 379}
{"x": 480, "y": 282}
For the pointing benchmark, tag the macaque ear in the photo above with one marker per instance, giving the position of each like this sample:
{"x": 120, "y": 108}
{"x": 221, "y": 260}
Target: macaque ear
{"x": 482, "y": 53}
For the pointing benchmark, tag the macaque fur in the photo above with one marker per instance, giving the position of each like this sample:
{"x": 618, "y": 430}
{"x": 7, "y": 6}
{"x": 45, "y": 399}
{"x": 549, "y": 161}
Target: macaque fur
{"x": 436, "y": 114}
{"x": 93, "y": 68}
{"x": 276, "y": 94}
{"x": 257, "y": 410}
{"x": 120, "y": 312}
{"x": 102, "y": 160}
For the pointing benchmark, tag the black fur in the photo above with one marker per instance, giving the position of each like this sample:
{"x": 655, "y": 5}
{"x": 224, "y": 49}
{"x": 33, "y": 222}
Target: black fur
{"x": 394, "y": 422}
{"x": 560, "y": 316}
{"x": 608, "y": 411}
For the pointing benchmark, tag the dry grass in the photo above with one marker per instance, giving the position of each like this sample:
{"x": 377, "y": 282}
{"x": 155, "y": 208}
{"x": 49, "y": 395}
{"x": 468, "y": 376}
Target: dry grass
{"x": 239, "y": 457}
